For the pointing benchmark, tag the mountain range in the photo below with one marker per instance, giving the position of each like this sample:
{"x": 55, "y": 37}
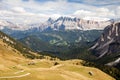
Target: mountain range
{"x": 61, "y": 23}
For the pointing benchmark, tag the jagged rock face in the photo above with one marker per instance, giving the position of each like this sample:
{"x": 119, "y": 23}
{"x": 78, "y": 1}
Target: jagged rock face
{"x": 68, "y": 23}
{"x": 109, "y": 41}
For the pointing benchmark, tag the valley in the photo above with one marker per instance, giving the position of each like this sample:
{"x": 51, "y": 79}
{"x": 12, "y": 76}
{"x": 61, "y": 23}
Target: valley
{"x": 15, "y": 66}
{"x": 59, "y": 39}
{"x": 48, "y": 40}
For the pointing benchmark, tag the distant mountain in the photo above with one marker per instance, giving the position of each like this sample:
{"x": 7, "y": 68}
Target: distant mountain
{"x": 107, "y": 47}
{"x": 13, "y": 26}
{"x": 68, "y": 23}
{"x": 7, "y": 24}
{"x": 61, "y": 23}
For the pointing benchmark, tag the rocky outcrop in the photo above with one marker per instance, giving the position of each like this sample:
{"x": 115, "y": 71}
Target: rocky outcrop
{"x": 109, "y": 43}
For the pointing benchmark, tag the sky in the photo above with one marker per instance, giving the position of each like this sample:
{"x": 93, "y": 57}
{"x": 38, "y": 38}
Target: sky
{"x": 35, "y": 11}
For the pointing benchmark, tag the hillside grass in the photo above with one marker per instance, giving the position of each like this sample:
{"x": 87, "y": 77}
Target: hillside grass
{"x": 13, "y": 63}
{"x": 64, "y": 70}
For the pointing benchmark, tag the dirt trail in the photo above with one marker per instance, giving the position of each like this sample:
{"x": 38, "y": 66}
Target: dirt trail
{"x": 19, "y": 72}
{"x": 46, "y": 69}
{"x": 67, "y": 75}
{"x": 15, "y": 76}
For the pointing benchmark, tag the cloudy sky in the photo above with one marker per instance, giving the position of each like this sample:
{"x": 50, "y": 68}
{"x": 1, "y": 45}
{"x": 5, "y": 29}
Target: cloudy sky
{"x": 34, "y": 11}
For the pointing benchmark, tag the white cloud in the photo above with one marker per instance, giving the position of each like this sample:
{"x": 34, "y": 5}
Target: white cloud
{"x": 2, "y": 12}
{"x": 40, "y": 11}
{"x": 118, "y": 10}
{"x": 19, "y": 9}
{"x": 96, "y": 18}
{"x": 83, "y": 13}
{"x": 104, "y": 12}
{"x": 99, "y": 12}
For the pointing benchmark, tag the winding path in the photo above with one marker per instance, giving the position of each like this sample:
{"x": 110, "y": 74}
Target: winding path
{"x": 19, "y": 72}
{"x": 15, "y": 76}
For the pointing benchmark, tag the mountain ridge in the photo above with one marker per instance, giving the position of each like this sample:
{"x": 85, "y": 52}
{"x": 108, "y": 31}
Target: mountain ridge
{"x": 61, "y": 23}
{"x": 68, "y": 23}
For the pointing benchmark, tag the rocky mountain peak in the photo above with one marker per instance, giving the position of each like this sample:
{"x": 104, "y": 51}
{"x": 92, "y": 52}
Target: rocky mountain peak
{"x": 75, "y": 23}
{"x": 50, "y": 20}
{"x": 109, "y": 41}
